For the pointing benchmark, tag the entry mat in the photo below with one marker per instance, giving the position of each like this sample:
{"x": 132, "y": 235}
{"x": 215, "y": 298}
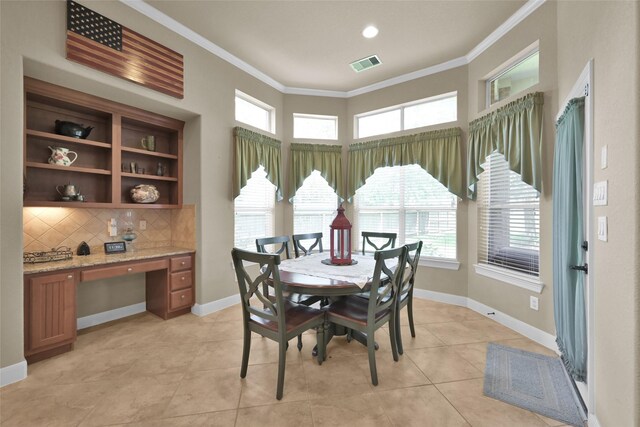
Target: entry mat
{"x": 534, "y": 382}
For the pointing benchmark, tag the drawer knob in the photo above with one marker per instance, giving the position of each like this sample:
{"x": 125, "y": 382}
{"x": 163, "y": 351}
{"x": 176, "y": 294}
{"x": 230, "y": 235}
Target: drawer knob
{"x": 129, "y": 269}
{"x": 182, "y": 277}
{"x": 182, "y": 263}
{"x": 70, "y": 276}
{"x": 182, "y": 296}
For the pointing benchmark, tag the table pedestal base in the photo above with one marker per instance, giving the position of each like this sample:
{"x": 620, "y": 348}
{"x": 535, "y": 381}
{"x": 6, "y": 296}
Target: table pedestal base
{"x": 332, "y": 330}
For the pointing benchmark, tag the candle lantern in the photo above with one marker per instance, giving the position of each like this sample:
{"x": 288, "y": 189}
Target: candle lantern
{"x": 340, "y": 244}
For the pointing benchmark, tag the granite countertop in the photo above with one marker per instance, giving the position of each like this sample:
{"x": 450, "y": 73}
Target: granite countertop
{"x": 102, "y": 259}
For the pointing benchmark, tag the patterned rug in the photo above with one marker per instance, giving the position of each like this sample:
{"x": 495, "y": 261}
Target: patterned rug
{"x": 532, "y": 381}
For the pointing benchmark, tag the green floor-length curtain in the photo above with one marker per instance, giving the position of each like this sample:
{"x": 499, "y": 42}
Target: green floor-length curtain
{"x": 437, "y": 152}
{"x": 568, "y": 236}
{"x": 253, "y": 149}
{"x": 515, "y": 131}
{"x": 305, "y": 158}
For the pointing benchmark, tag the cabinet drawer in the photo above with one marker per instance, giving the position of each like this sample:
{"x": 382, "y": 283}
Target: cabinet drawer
{"x": 181, "y": 280}
{"x": 181, "y": 263}
{"x": 122, "y": 270}
{"x": 181, "y": 299}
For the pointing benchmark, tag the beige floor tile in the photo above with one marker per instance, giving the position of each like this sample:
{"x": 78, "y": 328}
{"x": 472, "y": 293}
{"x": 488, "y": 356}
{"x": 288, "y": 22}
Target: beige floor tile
{"x": 481, "y": 411}
{"x": 260, "y": 385}
{"x": 336, "y": 376}
{"x": 211, "y": 419}
{"x": 442, "y": 364}
{"x": 354, "y": 411}
{"x": 421, "y": 407}
{"x": 134, "y": 399}
{"x": 294, "y": 414}
{"x": 474, "y": 353}
{"x": 423, "y": 338}
{"x": 206, "y": 391}
{"x": 491, "y": 329}
{"x": 392, "y": 374}
{"x": 550, "y": 421}
{"x": 528, "y": 345}
{"x": 452, "y": 333}
{"x": 163, "y": 359}
{"x": 438, "y": 314}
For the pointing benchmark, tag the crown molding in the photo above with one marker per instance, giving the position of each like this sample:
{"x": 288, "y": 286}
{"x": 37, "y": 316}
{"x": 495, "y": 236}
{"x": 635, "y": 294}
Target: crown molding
{"x": 175, "y": 26}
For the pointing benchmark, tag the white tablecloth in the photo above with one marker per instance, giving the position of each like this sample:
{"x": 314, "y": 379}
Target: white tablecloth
{"x": 311, "y": 265}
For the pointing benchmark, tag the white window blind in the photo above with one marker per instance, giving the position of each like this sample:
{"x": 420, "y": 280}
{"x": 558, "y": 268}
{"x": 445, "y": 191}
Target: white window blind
{"x": 254, "y": 210}
{"x": 509, "y": 218}
{"x": 314, "y": 207}
{"x": 408, "y": 201}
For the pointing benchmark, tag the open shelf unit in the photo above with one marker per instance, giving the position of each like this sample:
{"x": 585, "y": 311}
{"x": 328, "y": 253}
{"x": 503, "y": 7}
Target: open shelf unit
{"x": 110, "y": 162}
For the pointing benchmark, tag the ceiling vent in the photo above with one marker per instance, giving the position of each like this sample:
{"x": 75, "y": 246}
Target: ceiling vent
{"x": 365, "y": 63}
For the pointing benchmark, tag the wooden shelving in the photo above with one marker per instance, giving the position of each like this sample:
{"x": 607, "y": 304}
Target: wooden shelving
{"x": 103, "y": 170}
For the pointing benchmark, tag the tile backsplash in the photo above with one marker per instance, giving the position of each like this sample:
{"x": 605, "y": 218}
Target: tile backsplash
{"x": 46, "y": 228}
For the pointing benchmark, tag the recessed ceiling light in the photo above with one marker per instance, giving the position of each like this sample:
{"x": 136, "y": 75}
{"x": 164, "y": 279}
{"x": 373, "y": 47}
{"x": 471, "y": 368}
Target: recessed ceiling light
{"x": 370, "y": 32}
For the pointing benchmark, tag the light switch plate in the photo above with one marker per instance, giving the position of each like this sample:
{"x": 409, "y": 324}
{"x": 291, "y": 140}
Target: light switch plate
{"x": 143, "y": 225}
{"x": 533, "y": 303}
{"x": 603, "y": 232}
{"x": 600, "y": 193}
{"x": 604, "y": 161}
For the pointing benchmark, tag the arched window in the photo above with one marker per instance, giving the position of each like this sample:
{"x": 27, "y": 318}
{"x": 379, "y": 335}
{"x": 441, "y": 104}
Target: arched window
{"x": 314, "y": 207}
{"x": 254, "y": 210}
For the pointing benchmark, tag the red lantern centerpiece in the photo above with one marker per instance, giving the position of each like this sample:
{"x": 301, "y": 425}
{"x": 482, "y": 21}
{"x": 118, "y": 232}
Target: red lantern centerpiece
{"x": 340, "y": 244}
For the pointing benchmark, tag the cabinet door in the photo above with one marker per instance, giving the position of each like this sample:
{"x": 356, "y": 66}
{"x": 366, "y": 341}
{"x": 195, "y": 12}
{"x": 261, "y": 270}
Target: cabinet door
{"x": 52, "y": 309}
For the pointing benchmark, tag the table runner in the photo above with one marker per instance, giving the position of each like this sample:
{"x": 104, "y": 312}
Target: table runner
{"x": 312, "y": 265}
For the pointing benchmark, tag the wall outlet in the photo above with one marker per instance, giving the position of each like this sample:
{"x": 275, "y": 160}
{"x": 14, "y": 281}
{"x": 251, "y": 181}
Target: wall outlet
{"x": 143, "y": 225}
{"x": 533, "y": 303}
{"x": 603, "y": 232}
{"x": 604, "y": 161}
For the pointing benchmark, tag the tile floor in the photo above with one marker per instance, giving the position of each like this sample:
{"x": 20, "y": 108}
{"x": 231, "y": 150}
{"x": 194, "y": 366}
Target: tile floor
{"x": 143, "y": 371}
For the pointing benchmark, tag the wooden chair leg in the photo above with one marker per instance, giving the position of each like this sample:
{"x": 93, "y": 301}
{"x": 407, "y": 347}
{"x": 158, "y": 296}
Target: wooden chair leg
{"x": 326, "y": 327}
{"x": 281, "y": 365}
{"x": 299, "y": 342}
{"x": 393, "y": 335}
{"x": 410, "y": 313}
{"x": 398, "y": 334}
{"x": 246, "y": 348}
{"x": 320, "y": 342}
{"x": 372, "y": 357}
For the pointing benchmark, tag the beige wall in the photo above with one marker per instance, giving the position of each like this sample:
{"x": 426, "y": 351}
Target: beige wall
{"x": 608, "y": 33}
{"x": 502, "y": 296}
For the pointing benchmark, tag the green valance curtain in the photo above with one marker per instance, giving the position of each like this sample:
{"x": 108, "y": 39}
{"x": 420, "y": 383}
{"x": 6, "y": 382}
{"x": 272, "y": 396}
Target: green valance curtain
{"x": 515, "y": 131}
{"x": 437, "y": 152}
{"x": 252, "y": 150}
{"x": 305, "y": 158}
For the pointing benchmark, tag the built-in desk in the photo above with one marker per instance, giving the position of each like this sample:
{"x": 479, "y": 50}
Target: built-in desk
{"x": 50, "y": 292}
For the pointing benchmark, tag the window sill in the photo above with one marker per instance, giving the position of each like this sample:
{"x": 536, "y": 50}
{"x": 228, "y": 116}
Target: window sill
{"x": 524, "y": 281}
{"x": 447, "y": 264}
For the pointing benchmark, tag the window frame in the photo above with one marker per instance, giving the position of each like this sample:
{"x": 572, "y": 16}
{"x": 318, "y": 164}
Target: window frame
{"x": 270, "y": 212}
{"x": 507, "y": 66}
{"x": 315, "y": 117}
{"x": 271, "y": 111}
{"x": 401, "y": 209}
{"x": 401, "y": 108}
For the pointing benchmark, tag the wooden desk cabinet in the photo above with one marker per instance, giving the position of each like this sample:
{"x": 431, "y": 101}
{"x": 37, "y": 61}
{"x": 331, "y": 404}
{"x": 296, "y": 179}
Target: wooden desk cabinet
{"x": 50, "y": 298}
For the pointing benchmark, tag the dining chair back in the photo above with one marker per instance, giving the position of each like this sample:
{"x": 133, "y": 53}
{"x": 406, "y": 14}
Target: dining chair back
{"x": 378, "y": 241}
{"x": 272, "y": 317}
{"x": 405, "y": 290}
{"x": 283, "y": 241}
{"x": 300, "y": 249}
{"x": 368, "y": 315}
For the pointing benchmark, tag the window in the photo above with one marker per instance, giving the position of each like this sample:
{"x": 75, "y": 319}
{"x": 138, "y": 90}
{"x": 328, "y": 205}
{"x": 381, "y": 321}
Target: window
{"x": 408, "y": 201}
{"x": 425, "y": 112}
{"x": 509, "y": 219}
{"x": 314, "y": 207}
{"x": 255, "y": 112}
{"x": 309, "y": 126}
{"x": 515, "y": 78}
{"x": 254, "y": 210}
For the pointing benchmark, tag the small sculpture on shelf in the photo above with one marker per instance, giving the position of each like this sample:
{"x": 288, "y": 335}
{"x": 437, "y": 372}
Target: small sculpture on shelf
{"x": 144, "y": 193}
{"x": 161, "y": 169}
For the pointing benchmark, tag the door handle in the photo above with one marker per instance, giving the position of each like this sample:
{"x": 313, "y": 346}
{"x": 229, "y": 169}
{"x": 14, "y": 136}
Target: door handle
{"x": 584, "y": 268}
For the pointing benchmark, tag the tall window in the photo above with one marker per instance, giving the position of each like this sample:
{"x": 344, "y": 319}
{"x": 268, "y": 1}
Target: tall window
{"x": 254, "y": 112}
{"x": 424, "y": 112}
{"x": 520, "y": 74}
{"x": 410, "y": 202}
{"x": 509, "y": 217}
{"x": 314, "y": 207}
{"x": 254, "y": 210}
{"x": 311, "y": 126}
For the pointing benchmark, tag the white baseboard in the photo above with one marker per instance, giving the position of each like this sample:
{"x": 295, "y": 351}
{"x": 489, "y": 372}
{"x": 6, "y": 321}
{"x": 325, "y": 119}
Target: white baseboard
{"x": 533, "y": 333}
{"x": 108, "y": 316}
{"x": 593, "y": 421}
{"x": 13, "y": 373}
{"x": 213, "y": 306}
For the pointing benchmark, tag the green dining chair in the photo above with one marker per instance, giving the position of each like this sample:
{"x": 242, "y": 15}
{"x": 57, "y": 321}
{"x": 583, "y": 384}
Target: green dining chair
{"x": 300, "y": 248}
{"x": 405, "y": 291}
{"x": 277, "y": 319}
{"x": 373, "y": 238}
{"x": 368, "y": 315}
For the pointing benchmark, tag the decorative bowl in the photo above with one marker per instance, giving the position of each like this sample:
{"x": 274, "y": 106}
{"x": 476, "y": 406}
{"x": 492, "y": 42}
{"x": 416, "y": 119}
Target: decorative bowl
{"x": 144, "y": 193}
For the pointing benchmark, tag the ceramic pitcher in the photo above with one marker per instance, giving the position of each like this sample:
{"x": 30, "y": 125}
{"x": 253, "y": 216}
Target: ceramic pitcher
{"x": 60, "y": 156}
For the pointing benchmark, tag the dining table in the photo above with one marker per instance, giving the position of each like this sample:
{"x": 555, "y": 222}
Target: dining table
{"x": 308, "y": 275}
